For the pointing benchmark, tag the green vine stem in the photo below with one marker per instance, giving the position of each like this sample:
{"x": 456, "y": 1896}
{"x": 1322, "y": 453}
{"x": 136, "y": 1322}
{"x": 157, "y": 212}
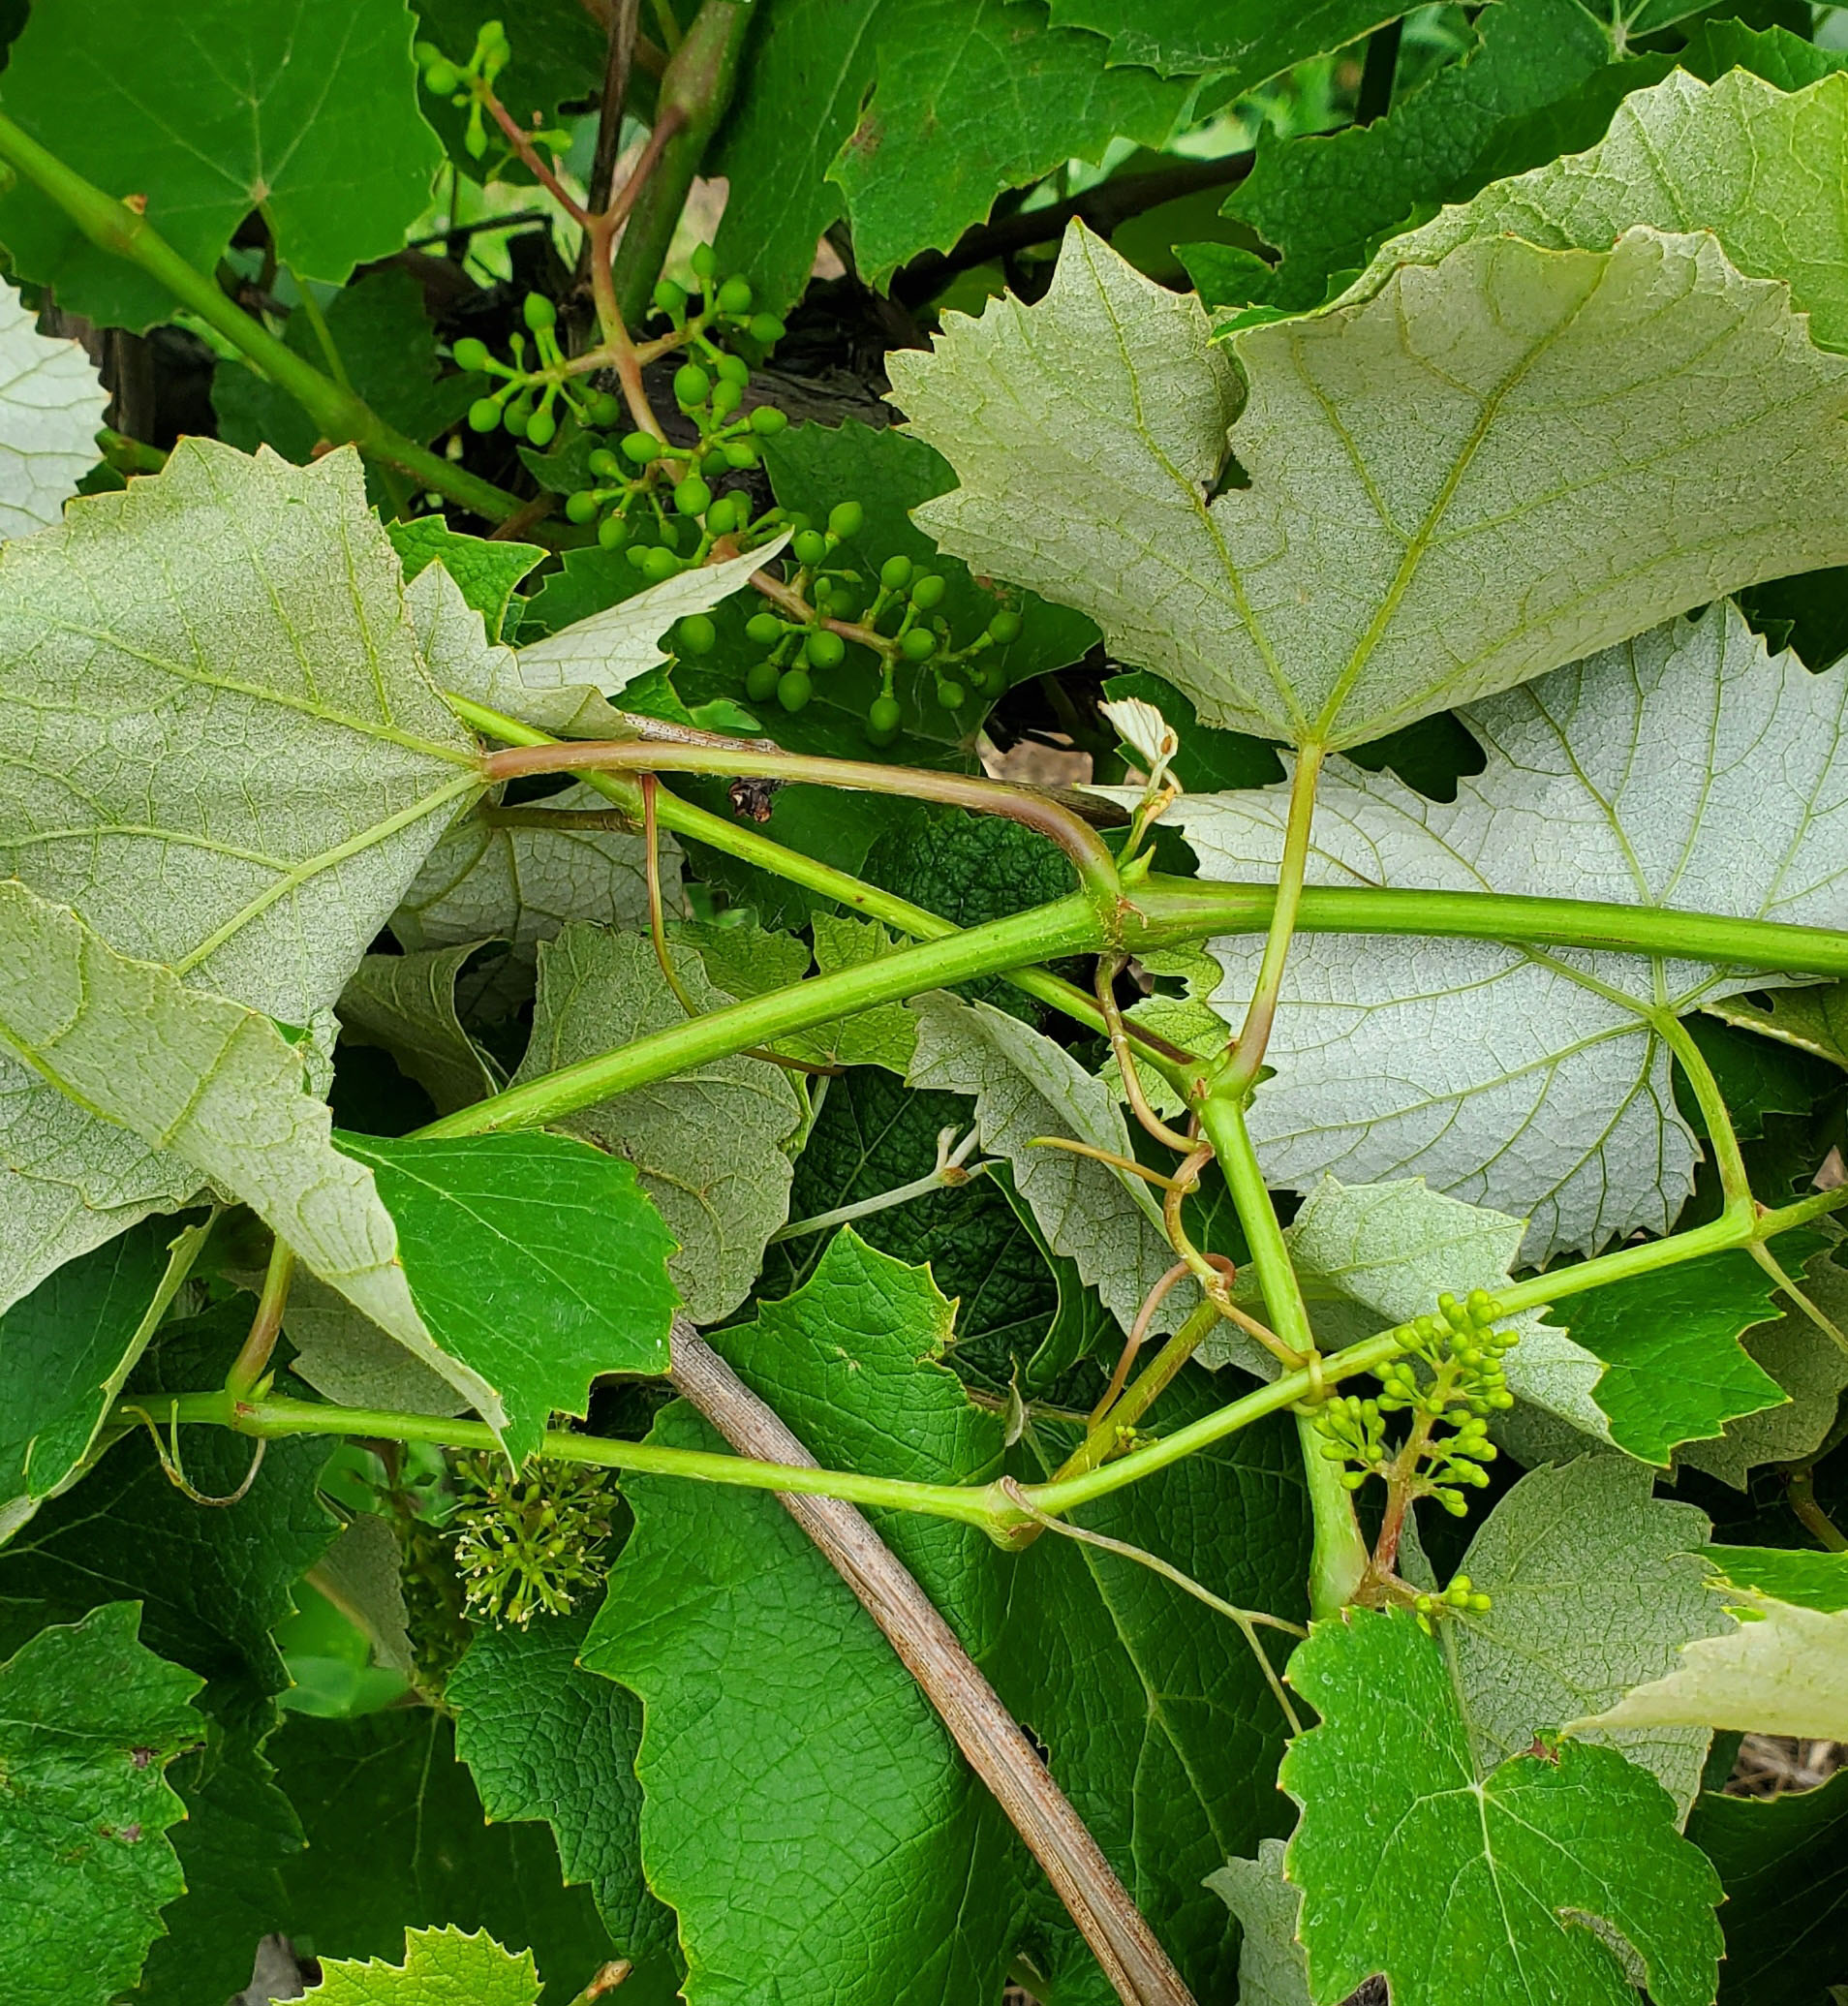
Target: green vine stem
{"x": 1068, "y": 927}
{"x": 741, "y": 841}
{"x": 1090, "y": 855}
{"x": 696, "y": 88}
{"x": 1254, "y": 1035}
{"x": 338, "y": 413}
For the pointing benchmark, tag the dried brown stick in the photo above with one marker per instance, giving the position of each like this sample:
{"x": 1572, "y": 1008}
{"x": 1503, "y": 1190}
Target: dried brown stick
{"x": 983, "y": 1729}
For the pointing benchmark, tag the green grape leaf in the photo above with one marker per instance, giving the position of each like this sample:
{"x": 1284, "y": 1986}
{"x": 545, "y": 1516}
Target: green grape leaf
{"x": 1538, "y": 1879}
{"x": 1808, "y": 1580}
{"x": 164, "y": 804}
{"x": 785, "y": 1747}
{"x": 216, "y": 1086}
{"x": 535, "y": 1259}
{"x": 1158, "y": 1721}
{"x": 1782, "y": 1671}
{"x": 484, "y": 571}
{"x": 1814, "y": 1020}
{"x": 344, "y": 1355}
{"x": 708, "y": 1143}
{"x": 1080, "y": 1324}
{"x": 1324, "y": 200}
{"x": 1756, "y": 1077}
{"x": 1625, "y": 778}
{"x": 67, "y": 1350}
{"x": 1674, "y": 1367}
{"x": 239, "y": 1833}
{"x": 72, "y": 1182}
{"x": 969, "y": 867}
{"x": 495, "y": 876}
{"x": 1352, "y": 582}
{"x": 1784, "y": 1864}
{"x": 430, "y": 1857}
{"x": 440, "y": 1968}
{"x": 874, "y": 1134}
{"x": 1594, "y": 1584}
{"x": 387, "y": 348}
{"x": 1272, "y": 1968}
{"x": 89, "y": 1720}
{"x": 916, "y": 113}
{"x": 1810, "y": 1368}
{"x": 1374, "y": 1254}
{"x": 885, "y": 1035}
{"x": 212, "y": 1585}
{"x": 545, "y": 1739}
{"x": 1025, "y": 1086}
{"x": 363, "y": 1575}
{"x": 1243, "y": 45}
{"x": 308, "y": 113}
{"x": 1753, "y": 164}
{"x": 51, "y": 409}
{"x": 404, "y": 1004}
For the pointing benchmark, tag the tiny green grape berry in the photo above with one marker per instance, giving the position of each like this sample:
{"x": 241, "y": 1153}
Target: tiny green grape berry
{"x": 604, "y": 464}
{"x": 732, "y": 369}
{"x": 640, "y": 448}
{"x": 763, "y": 630}
{"x": 698, "y": 634}
{"x": 1004, "y": 627}
{"x": 951, "y": 695}
{"x": 826, "y": 649}
{"x": 672, "y": 300}
{"x": 485, "y": 415}
{"x": 637, "y": 555}
{"x": 845, "y": 520}
{"x": 469, "y": 354}
{"x": 760, "y": 681}
{"x": 721, "y": 515}
{"x": 704, "y": 261}
{"x": 766, "y": 331}
{"x": 767, "y": 420}
{"x": 811, "y": 546}
{"x": 734, "y": 297}
{"x": 895, "y": 574}
{"x": 882, "y": 720}
{"x": 692, "y": 495}
{"x": 541, "y": 428}
{"x": 725, "y": 399}
{"x": 602, "y": 409}
{"x": 919, "y": 644}
{"x": 443, "y": 77}
{"x": 516, "y": 416}
{"x": 612, "y": 532}
{"x": 927, "y": 591}
{"x": 794, "y": 689}
{"x": 658, "y": 564}
{"x": 692, "y": 386}
{"x": 582, "y": 505}
{"x": 740, "y": 455}
{"x": 539, "y": 311}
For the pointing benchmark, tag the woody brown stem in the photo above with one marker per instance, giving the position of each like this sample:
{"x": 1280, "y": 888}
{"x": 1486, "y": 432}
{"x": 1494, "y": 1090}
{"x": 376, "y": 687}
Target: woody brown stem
{"x": 982, "y": 1728}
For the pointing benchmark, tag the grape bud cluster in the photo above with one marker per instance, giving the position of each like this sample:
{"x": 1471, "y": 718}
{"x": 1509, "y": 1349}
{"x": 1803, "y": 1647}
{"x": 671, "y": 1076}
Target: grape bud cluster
{"x": 463, "y": 84}
{"x": 527, "y": 1545}
{"x": 1448, "y": 1380}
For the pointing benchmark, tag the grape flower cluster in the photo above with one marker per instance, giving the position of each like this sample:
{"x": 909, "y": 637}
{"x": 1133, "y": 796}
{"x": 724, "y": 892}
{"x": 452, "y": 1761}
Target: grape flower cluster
{"x": 525, "y": 1545}
{"x": 1448, "y": 1380}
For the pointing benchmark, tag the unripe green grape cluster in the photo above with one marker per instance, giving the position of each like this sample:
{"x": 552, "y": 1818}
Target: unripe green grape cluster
{"x": 462, "y": 84}
{"x": 901, "y": 624}
{"x": 525, "y": 1545}
{"x": 525, "y": 405}
{"x": 643, "y": 477}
